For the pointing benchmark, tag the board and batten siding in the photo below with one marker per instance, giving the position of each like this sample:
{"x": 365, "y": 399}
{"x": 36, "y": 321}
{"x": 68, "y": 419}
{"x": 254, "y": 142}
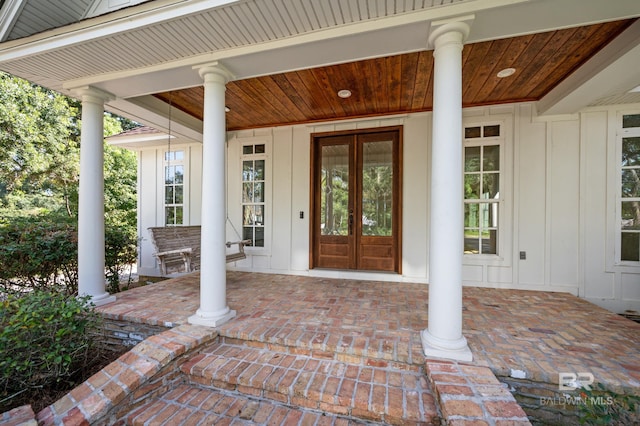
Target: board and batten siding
{"x": 558, "y": 192}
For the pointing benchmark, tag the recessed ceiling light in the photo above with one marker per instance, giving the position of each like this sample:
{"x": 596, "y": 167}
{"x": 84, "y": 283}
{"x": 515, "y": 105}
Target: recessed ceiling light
{"x": 226, "y": 109}
{"x": 344, "y": 93}
{"x": 506, "y": 72}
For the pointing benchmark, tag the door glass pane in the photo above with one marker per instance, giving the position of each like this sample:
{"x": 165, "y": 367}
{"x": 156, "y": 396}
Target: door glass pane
{"x": 334, "y": 190}
{"x": 377, "y": 188}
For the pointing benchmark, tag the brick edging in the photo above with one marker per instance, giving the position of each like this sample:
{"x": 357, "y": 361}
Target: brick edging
{"x": 132, "y": 376}
{"x": 469, "y": 393}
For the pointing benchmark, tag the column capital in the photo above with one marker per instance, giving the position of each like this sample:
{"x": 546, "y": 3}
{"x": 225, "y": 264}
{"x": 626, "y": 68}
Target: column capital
{"x": 457, "y": 30}
{"x": 92, "y": 94}
{"x": 214, "y": 71}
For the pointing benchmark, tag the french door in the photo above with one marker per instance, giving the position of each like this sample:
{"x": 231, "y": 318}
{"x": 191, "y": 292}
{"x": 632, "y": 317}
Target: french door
{"x": 356, "y": 200}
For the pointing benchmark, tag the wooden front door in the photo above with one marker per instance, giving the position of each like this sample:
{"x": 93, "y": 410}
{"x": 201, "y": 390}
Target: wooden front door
{"x": 356, "y": 200}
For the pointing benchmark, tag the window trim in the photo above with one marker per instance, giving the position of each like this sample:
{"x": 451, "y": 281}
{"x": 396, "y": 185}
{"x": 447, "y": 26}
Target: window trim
{"x": 234, "y": 190}
{"x": 163, "y": 185}
{"x": 620, "y": 134}
{"x": 504, "y": 254}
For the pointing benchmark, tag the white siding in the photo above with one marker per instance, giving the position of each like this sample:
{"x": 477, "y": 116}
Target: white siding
{"x": 558, "y": 174}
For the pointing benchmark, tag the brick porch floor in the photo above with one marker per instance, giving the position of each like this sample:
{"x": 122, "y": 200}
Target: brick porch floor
{"x": 308, "y": 350}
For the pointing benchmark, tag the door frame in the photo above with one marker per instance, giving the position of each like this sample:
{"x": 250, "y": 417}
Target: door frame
{"x": 398, "y": 175}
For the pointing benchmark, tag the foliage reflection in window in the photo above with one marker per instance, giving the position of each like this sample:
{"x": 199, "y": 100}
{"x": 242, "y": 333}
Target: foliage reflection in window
{"x": 481, "y": 189}
{"x": 630, "y": 191}
{"x": 174, "y": 188}
{"x": 253, "y": 193}
{"x": 377, "y": 188}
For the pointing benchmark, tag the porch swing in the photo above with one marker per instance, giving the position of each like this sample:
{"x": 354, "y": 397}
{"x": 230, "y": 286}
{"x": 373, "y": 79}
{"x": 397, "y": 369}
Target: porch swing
{"x": 177, "y": 248}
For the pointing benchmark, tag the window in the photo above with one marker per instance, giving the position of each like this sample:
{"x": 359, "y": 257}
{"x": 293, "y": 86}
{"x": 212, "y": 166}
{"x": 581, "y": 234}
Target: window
{"x": 253, "y": 193}
{"x": 630, "y": 189}
{"x": 174, "y": 188}
{"x": 481, "y": 189}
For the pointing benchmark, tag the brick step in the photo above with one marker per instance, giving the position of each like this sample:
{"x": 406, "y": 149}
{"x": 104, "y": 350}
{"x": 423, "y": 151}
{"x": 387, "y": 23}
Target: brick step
{"x": 379, "y": 393}
{"x": 193, "y": 405}
{"x": 341, "y": 343}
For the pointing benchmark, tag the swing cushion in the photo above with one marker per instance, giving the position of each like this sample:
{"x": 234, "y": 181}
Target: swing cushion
{"x": 177, "y": 249}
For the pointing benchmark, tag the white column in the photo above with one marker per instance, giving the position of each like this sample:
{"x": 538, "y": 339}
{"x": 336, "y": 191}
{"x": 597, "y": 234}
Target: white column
{"x": 213, "y": 309}
{"x": 91, "y": 264}
{"x": 443, "y": 337}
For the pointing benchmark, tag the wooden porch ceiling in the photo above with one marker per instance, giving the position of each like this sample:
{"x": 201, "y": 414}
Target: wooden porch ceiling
{"x": 403, "y": 83}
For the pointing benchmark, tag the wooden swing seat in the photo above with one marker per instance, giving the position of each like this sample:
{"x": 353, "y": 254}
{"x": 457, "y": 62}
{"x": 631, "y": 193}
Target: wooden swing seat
{"x": 177, "y": 249}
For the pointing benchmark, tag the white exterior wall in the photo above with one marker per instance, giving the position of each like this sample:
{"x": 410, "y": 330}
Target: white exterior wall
{"x": 559, "y": 183}
{"x": 151, "y": 196}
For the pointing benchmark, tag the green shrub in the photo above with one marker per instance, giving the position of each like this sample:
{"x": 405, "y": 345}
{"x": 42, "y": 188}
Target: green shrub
{"x": 121, "y": 251}
{"x": 38, "y": 254}
{"x": 602, "y": 406}
{"x": 41, "y": 252}
{"x": 45, "y": 339}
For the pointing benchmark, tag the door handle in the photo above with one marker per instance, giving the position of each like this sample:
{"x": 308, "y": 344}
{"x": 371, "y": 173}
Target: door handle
{"x": 350, "y": 222}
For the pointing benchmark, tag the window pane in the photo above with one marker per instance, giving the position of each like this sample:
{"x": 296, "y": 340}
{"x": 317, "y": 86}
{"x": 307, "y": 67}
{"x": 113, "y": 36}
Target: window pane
{"x": 491, "y": 131}
{"x": 472, "y": 132}
{"x": 179, "y": 215}
{"x": 630, "y": 152}
{"x": 377, "y": 188}
{"x": 168, "y": 194}
{"x": 168, "y": 175}
{"x": 471, "y": 241}
{"x": 179, "y": 174}
{"x": 258, "y": 192}
{"x": 490, "y": 215}
{"x": 472, "y": 186}
{"x": 169, "y": 216}
{"x": 489, "y": 241}
{"x": 472, "y": 159}
{"x": 259, "y": 237}
{"x": 259, "y": 215}
{"x": 632, "y": 120}
{"x": 491, "y": 158}
{"x": 471, "y": 219}
{"x": 490, "y": 185}
{"x": 248, "y": 215}
{"x": 631, "y": 215}
{"x": 247, "y": 170}
{"x": 630, "y": 246}
{"x": 179, "y": 194}
{"x": 247, "y": 149}
{"x": 259, "y": 170}
{"x": 247, "y": 192}
{"x": 259, "y": 149}
{"x": 247, "y": 233}
{"x": 179, "y": 155}
{"x": 631, "y": 183}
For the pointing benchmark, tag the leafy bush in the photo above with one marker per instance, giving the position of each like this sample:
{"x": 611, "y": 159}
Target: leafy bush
{"x": 121, "y": 251}
{"x": 41, "y": 252}
{"x": 38, "y": 254}
{"x": 45, "y": 338}
{"x": 602, "y": 406}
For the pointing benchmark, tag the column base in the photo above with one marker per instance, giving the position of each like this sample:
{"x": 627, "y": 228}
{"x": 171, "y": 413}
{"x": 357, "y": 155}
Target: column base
{"x": 103, "y": 299}
{"x": 436, "y": 347}
{"x": 209, "y": 319}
